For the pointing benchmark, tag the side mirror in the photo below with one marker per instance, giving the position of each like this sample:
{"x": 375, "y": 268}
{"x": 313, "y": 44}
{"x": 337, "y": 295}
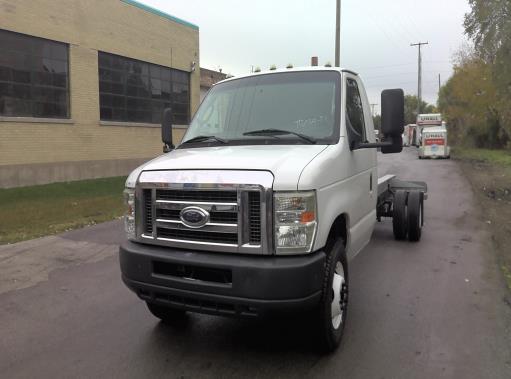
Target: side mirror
{"x": 392, "y": 119}
{"x": 166, "y": 130}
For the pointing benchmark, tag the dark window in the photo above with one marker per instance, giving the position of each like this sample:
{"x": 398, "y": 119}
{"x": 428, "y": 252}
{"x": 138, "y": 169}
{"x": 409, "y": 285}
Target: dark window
{"x": 354, "y": 113}
{"x": 34, "y": 78}
{"x": 136, "y": 91}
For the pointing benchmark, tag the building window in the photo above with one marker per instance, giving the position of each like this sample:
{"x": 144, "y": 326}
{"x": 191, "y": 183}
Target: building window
{"x": 134, "y": 91}
{"x": 34, "y": 77}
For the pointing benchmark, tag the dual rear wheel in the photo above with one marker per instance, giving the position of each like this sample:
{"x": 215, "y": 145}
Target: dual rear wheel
{"x": 408, "y": 215}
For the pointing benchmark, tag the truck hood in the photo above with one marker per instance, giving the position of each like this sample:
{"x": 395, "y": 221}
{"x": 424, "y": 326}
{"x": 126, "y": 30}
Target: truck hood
{"x": 285, "y": 162}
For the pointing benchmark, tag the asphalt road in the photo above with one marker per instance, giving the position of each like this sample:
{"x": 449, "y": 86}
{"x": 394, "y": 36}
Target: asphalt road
{"x": 435, "y": 309}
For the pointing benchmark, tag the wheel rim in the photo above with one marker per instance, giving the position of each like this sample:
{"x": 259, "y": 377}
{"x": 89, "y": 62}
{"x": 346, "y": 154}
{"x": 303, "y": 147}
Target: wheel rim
{"x": 338, "y": 295}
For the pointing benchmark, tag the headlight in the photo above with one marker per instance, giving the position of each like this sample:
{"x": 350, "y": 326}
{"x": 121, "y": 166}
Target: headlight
{"x": 295, "y": 222}
{"x": 129, "y": 216}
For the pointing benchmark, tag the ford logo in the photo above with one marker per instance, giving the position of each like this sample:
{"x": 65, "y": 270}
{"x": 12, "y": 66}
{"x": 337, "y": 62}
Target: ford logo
{"x": 194, "y": 217}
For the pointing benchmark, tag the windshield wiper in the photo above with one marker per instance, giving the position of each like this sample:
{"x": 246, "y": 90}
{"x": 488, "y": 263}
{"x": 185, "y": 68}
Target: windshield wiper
{"x": 273, "y": 132}
{"x": 205, "y": 138}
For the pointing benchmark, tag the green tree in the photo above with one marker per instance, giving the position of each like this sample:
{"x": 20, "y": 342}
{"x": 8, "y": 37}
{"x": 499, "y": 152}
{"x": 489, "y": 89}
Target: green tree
{"x": 488, "y": 25}
{"x": 411, "y": 108}
{"x": 377, "y": 122}
{"x": 469, "y": 100}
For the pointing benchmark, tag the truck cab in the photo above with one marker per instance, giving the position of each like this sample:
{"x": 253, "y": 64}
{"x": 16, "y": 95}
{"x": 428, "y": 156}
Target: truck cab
{"x": 271, "y": 192}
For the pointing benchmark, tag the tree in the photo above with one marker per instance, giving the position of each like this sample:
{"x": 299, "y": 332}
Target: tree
{"x": 411, "y": 108}
{"x": 488, "y": 24}
{"x": 469, "y": 100}
{"x": 477, "y": 98}
{"x": 377, "y": 122}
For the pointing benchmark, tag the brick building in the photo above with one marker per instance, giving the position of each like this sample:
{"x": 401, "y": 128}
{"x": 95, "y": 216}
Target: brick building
{"x": 83, "y": 85}
{"x": 207, "y": 79}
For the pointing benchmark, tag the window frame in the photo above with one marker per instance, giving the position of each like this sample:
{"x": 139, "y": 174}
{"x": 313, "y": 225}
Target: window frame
{"x": 46, "y": 86}
{"x": 142, "y": 91}
{"x": 352, "y": 137}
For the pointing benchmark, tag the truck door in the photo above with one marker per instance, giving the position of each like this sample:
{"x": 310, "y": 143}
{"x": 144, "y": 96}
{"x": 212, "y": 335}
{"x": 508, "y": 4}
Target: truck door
{"x": 363, "y": 180}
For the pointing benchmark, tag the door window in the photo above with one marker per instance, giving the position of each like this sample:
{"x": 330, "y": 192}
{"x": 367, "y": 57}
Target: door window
{"x": 355, "y": 123}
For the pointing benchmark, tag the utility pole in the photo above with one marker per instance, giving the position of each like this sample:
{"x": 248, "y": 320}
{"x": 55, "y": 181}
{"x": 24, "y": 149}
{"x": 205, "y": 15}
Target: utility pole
{"x": 419, "y": 85}
{"x": 338, "y": 34}
{"x": 439, "y": 83}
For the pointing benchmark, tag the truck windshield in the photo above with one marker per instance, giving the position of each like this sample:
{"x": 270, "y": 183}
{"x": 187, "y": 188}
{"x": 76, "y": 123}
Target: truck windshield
{"x": 262, "y": 109}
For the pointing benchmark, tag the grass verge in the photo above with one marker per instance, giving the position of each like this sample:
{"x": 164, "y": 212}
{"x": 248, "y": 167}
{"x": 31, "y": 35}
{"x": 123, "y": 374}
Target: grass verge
{"x": 489, "y": 173}
{"x": 500, "y": 157}
{"x": 30, "y": 212}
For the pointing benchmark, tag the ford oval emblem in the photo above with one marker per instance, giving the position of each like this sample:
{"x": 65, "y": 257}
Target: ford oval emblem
{"x": 194, "y": 217}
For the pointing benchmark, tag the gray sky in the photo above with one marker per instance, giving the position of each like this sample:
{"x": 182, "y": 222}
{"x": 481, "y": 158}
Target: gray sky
{"x": 375, "y": 37}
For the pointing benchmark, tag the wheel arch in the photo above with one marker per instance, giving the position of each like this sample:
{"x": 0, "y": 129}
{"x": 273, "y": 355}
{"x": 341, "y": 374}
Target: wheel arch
{"x": 339, "y": 228}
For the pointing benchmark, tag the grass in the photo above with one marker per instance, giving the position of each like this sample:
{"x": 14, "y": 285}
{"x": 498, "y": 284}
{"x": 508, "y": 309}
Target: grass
{"x": 500, "y": 157}
{"x": 30, "y": 212}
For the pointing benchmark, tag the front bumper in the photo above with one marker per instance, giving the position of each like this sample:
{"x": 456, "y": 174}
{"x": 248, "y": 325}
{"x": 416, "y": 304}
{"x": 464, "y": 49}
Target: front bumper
{"x": 225, "y": 284}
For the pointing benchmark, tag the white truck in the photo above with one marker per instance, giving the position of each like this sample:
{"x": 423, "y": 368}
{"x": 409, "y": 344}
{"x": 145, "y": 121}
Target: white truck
{"x": 434, "y": 143}
{"x": 424, "y": 121}
{"x": 272, "y": 191}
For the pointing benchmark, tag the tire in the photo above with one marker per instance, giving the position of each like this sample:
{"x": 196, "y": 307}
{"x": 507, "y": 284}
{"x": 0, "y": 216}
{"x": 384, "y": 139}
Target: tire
{"x": 333, "y": 307}
{"x": 415, "y": 215}
{"x": 399, "y": 215}
{"x": 165, "y": 314}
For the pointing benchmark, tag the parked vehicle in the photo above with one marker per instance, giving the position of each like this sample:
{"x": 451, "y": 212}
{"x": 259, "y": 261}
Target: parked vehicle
{"x": 409, "y": 135}
{"x": 424, "y": 121}
{"x": 434, "y": 143}
{"x": 272, "y": 191}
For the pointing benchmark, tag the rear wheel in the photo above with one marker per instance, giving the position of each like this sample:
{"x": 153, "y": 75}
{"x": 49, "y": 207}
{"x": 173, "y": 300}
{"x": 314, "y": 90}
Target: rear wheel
{"x": 333, "y": 307}
{"x": 399, "y": 219}
{"x": 415, "y": 215}
{"x": 165, "y": 314}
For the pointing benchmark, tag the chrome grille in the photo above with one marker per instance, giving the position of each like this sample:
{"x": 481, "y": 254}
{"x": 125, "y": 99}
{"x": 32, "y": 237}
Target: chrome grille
{"x": 210, "y": 196}
{"x": 236, "y": 216}
{"x": 148, "y": 212}
{"x": 254, "y": 217}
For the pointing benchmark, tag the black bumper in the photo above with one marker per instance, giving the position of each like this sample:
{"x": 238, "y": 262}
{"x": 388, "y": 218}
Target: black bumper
{"x": 226, "y": 284}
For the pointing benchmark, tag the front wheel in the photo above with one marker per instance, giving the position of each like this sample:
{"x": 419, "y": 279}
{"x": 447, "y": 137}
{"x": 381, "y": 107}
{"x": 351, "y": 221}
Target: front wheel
{"x": 334, "y": 300}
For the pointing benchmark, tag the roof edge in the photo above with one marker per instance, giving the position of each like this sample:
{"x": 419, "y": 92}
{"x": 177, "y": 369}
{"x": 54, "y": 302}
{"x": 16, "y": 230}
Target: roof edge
{"x": 157, "y": 12}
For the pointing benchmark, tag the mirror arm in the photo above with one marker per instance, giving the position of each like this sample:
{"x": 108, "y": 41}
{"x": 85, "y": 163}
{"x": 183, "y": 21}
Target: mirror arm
{"x": 367, "y": 145}
{"x": 167, "y": 148}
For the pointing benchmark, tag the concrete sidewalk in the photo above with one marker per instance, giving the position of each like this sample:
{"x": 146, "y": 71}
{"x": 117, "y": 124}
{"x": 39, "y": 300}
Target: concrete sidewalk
{"x": 24, "y": 264}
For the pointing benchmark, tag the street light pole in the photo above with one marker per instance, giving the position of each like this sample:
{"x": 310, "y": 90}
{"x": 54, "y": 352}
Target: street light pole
{"x": 338, "y": 34}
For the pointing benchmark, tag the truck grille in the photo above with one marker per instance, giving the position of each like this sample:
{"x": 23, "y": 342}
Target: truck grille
{"x": 234, "y": 217}
{"x": 254, "y": 216}
{"x": 148, "y": 212}
{"x": 208, "y": 196}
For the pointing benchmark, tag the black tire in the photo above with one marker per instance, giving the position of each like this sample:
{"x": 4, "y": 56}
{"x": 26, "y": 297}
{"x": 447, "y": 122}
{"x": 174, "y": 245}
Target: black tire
{"x": 165, "y": 314}
{"x": 399, "y": 219}
{"x": 329, "y": 335}
{"x": 415, "y": 215}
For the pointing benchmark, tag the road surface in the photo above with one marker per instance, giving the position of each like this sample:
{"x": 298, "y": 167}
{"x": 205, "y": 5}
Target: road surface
{"x": 436, "y": 309}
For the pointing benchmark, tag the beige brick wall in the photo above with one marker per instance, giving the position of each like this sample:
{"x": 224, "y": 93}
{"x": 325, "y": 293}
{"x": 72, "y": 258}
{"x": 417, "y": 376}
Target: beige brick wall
{"x": 88, "y": 26}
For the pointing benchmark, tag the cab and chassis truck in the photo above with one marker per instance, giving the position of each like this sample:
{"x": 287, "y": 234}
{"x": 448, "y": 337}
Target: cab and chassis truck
{"x": 273, "y": 190}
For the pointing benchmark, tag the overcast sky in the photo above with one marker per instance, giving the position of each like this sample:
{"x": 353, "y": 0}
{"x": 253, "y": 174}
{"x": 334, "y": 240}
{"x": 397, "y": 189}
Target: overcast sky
{"x": 375, "y": 36}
